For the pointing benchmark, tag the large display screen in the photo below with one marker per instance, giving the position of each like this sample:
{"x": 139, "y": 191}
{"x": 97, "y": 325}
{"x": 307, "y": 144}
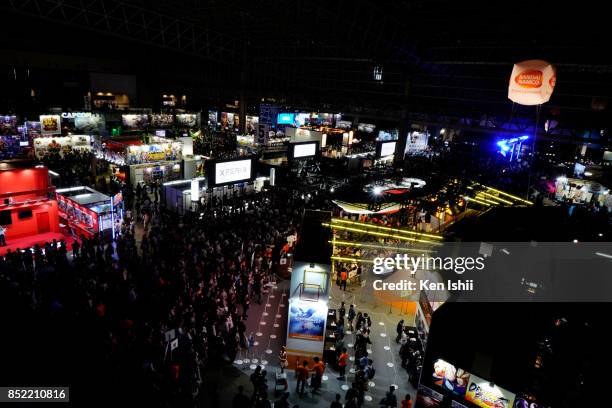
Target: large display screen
{"x": 162, "y": 120}
{"x": 450, "y": 378}
{"x": 285, "y": 118}
{"x": 304, "y": 150}
{"x": 135, "y": 121}
{"x": 187, "y": 120}
{"x": 233, "y": 171}
{"x": 483, "y": 393}
{"x": 387, "y": 149}
{"x": 307, "y": 320}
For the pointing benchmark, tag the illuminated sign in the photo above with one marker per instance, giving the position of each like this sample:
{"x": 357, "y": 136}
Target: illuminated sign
{"x": 307, "y": 320}
{"x": 487, "y": 395}
{"x": 387, "y": 149}
{"x": 50, "y": 125}
{"x": 73, "y": 115}
{"x": 285, "y": 118}
{"x": 450, "y": 378}
{"x": 233, "y": 171}
{"x": 304, "y": 150}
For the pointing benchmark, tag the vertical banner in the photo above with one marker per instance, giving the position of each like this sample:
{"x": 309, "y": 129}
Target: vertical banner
{"x": 263, "y": 131}
{"x": 532, "y": 82}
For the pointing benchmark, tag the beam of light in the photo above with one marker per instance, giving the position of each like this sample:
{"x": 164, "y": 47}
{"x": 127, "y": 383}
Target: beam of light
{"x": 380, "y": 234}
{"x": 507, "y": 195}
{"x": 395, "y": 230}
{"x": 466, "y": 198}
{"x": 603, "y": 255}
{"x": 365, "y": 245}
{"x": 341, "y": 258}
{"x": 494, "y": 197}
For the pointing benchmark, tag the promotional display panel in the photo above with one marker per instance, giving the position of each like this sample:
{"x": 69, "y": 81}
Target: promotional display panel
{"x": 450, "y": 378}
{"x": 521, "y": 402}
{"x": 302, "y": 119}
{"x": 307, "y": 320}
{"x": 234, "y": 171}
{"x": 86, "y": 122}
{"x": 61, "y": 145}
{"x": 304, "y": 150}
{"x": 486, "y": 395}
{"x": 8, "y": 125}
{"x": 187, "y": 120}
{"x": 135, "y": 121}
{"x": 344, "y": 124}
{"x": 251, "y": 124}
{"x": 227, "y": 119}
{"x": 162, "y": 120}
{"x": 386, "y": 149}
{"x": 387, "y": 135}
{"x": 50, "y": 125}
{"x": 366, "y": 127}
{"x": 268, "y": 114}
{"x": 297, "y": 135}
{"x": 212, "y": 117}
{"x": 285, "y": 119}
{"x": 416, "y": 142}
{"x": 426, "y": 397}
{"x": 9, "y": 146}
{"x": 154, "y": 152}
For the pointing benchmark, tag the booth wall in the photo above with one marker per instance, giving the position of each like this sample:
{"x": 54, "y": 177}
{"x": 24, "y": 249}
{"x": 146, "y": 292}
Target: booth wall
{"x": 38, "y": 223}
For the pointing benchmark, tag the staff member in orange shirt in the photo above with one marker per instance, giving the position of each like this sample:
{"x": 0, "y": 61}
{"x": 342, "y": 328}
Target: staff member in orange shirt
{"x": 319, "y": 369}
{"x": 342, "y": 362}
{"x": 343, "y": 278}
{"x": 302, "y": 376}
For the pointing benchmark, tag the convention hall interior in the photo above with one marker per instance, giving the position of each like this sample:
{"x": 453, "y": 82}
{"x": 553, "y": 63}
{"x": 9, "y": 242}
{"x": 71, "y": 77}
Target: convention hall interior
{"x": 305, "y": 203}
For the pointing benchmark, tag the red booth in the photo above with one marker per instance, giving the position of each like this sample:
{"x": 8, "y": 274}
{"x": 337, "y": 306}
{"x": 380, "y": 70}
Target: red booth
{"x": 26, "y": 212}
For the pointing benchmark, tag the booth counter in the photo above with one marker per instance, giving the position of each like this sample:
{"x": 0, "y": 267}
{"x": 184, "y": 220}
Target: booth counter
{"x": 87, "y": 212}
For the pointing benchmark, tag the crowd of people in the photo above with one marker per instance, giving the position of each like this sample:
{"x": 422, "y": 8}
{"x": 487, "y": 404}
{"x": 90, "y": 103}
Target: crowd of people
{"x": 165, "y": 305}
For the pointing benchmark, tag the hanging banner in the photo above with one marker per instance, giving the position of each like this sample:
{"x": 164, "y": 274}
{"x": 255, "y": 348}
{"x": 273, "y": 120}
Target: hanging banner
{"x": 532, "y": 82}
{"x": 263, "y": 132}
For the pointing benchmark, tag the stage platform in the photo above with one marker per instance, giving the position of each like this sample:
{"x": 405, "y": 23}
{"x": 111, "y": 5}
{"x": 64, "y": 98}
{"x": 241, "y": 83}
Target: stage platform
{"x": 30, "y": 241}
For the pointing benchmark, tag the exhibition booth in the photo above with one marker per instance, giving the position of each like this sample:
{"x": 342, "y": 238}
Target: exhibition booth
{"x": 580, "y": 191}
{"x": 61, "y": 145}
{"x": 307, "y": 320}
{"x": 26, "y": 212}
{"x": 87, "y": 212}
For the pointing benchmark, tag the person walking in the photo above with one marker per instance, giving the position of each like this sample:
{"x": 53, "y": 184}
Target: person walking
{"x": 399, "y": 330}
{"x": 406, "y": 402}
{"x": 336, "y": 403}
{"x": 351, "y": 316}
{"x": 343, "y": 278}
{"x": 282, "y": 358}
{"x": 342, "y": 362}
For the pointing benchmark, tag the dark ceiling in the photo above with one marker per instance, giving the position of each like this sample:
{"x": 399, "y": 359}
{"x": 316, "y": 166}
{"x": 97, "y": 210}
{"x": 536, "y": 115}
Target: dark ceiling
{"x": 438, "y": 57}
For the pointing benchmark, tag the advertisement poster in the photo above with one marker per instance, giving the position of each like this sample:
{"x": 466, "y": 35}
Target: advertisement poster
{"x": 450, "y": 378}
{"x": 212, "y": 118}
{"x": 251, "y": 124}
{"x": 61, "y": 145}
{"x": 227, "y": 119}
{"x": 187, "y": 120}
{"x": 50, "y": 125}
{"x": 9, "y": 147}
{"x": 162, "y": 120}
{"x": 307, "y": 320}
{"x": 32, "y": 129}
{"x": 233, "y": 171}
{"x": 135, "y": 121}
{"x": 416, "y": 142}
{"x": 8, "y": 125}
{"x": 154, "y": 152}
{"x": 426, "y": 397}
{"x": 83, "y": 122}
{"x": 486, "y": 395}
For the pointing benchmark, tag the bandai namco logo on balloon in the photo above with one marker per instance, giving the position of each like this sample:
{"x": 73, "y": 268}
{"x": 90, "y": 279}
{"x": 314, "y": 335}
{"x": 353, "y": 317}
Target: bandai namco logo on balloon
{"x": 529, "y": 79}
{"x": 532, "y": 82}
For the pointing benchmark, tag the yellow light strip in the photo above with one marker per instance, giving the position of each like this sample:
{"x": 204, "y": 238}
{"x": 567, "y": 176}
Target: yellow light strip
{"x": 494, "y": 197}
{"x": 341, "y": 258}
{"x": 487, "y": 200}
{"x": 396, "y": 230}
{"x": 364, "y": 245}
{"x": 507, "y": 195}
{"x": 476, "y": 201}
{"x": 379, "y": 234}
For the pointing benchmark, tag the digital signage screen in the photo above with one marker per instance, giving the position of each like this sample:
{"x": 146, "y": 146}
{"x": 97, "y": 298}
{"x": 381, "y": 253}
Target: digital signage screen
{"x": 234, "y": 171}
{"x": 135, "y": 121}
{"x": 304, "y": 150}
{"x": 484, "y": 394}
{"x": 386, "y": 149}
{"x": 307, "y": 320}
{"x": 450, "y": 378}
{"x": 285, "y": 118}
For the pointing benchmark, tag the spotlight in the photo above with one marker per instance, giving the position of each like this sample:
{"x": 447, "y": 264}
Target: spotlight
{"x": 377, "y": 190}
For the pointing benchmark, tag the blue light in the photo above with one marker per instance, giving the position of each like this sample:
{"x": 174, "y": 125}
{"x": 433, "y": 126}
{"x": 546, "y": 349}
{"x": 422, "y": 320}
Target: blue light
{"x": 524, "y": 137}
